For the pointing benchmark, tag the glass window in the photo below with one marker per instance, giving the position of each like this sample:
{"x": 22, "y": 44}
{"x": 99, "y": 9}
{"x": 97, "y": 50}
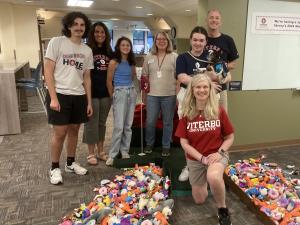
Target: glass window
{"x": 138, "y": 37}
{"x": 139, "y": 41}
{"x": 150, "y": 39}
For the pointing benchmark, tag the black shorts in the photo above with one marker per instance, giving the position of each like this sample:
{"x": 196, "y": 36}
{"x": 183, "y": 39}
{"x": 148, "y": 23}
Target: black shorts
{"x": 73, "y": 110}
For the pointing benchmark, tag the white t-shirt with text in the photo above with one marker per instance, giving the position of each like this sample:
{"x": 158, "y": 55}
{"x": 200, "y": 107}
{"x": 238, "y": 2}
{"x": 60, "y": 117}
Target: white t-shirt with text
{"x": 72, "y": 60}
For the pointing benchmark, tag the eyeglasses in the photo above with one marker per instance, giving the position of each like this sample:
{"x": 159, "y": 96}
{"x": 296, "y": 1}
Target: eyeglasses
{"x": 161, "y": 39}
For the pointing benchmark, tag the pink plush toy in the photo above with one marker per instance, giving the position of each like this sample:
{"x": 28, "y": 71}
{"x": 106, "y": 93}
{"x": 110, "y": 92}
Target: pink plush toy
{"x": 147, "y": 222}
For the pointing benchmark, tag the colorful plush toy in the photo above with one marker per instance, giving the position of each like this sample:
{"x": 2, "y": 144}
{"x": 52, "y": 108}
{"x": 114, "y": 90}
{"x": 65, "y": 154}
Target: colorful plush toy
{"x": 265, "y": 184}
{"x": 160, "y": 219}
{"x": 98, "y": 216}
{"x": 215, "y": 60}
{"x": 130, "y": 199}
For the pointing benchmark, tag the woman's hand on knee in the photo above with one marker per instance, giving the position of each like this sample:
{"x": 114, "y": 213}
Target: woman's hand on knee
{"x": 213, "y": 158}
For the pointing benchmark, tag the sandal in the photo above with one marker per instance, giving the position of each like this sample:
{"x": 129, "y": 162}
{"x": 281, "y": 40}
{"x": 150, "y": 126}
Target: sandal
{"x": 103, "y": 156}
{"x": 92, "y": 160}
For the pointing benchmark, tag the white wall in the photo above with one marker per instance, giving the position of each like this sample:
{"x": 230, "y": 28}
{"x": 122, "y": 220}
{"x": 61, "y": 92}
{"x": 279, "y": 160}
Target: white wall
{"x": 26, "y": 35}
{"x": 51, "y": 28}
{"x": 202, "y": 12}
{"x": 19, "y": 32}
{"x": 119, "y": 33}
{"x": 184, "y": 25}
{"x": 7, "y": 33}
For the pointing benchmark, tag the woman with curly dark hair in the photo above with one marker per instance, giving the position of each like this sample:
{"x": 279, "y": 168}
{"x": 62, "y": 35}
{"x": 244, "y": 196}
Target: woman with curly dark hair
{"x": 94, "y": 129}
{"x": 120, "y": 75}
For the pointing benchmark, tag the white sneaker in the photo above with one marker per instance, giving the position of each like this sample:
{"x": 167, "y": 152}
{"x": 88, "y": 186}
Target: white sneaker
{"x": 110, "y": 162}
{"x": 55, "y": 176}
{"x": 184, "y": 176}
{"x": 75, "y": 168}
{"x": 125, "y": 155}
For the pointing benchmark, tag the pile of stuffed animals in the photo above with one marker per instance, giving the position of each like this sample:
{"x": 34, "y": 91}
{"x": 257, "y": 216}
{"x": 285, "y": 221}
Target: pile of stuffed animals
{"x": 138, "y": 197}
{"x": 275, "y": 191}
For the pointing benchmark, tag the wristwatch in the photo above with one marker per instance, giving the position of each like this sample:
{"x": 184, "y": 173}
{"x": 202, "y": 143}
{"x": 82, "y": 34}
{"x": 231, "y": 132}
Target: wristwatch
{"x": 223, "y": 153}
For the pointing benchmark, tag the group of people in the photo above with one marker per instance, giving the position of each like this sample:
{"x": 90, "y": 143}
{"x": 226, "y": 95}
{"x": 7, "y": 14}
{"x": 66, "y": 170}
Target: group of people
{"x": 84, "y": 80}
{"x": 204, "y": 129}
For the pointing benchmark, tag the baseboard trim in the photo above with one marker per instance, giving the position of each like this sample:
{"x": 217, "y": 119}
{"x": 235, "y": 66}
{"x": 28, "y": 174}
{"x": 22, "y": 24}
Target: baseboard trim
{"x": 265, "y": 146}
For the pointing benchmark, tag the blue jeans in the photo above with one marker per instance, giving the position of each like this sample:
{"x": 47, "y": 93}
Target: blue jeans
{"x": 124, "y": 101}
{"x": 155, "y": 104}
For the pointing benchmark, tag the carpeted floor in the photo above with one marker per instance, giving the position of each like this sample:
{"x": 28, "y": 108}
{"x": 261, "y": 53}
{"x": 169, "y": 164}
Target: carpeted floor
{"x": 27, "y": 197}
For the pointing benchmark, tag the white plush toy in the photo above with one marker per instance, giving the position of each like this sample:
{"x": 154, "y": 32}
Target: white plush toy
{"x": 151, "y": 205}
{"x": 142, "y": 203}
{"x": 113, "y": 220}
{"x": 139, "y": 175}
{"x": 158, "y": 196}
{"x": 167, "y": 212}
{"x": 151, "y": 185}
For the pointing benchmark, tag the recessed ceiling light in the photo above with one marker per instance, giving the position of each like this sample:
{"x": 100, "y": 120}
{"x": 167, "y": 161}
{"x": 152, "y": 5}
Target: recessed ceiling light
{"x": 115, "y": 0}
{"x": 28, "y": 1}
{"x": 114, "y": 19}
{"x": 188, "y": 10}
{"x": 139, "y": 7}
{"x": 149, "y": 14}
{"x": 80, "y": 3}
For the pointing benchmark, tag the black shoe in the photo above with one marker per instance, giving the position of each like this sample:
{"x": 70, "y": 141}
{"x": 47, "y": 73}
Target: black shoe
{"x": 148, "y": 149}
{"x": 165, "y": 152}
{"x": 224, "y": 217}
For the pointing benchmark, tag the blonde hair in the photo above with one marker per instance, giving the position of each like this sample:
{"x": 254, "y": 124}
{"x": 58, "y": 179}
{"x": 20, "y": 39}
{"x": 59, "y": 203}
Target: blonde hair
{"x": 169, "y": 47}
{"x": 214, "y": 10}
{"x": 211, "y": 109}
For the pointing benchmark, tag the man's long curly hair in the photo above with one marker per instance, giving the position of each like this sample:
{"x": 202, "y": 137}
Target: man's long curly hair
{"x": 68, "y": 21}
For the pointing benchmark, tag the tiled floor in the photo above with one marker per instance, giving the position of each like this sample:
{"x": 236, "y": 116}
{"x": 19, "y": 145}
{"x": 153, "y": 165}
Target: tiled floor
{"x": 27, "y": 197}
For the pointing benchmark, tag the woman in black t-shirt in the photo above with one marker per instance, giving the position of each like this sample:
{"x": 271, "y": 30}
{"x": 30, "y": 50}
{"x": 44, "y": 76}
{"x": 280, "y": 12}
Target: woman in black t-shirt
{"x": 94, "y": 130}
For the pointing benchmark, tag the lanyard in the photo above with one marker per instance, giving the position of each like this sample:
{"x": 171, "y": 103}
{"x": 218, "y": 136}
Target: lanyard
{"x": 159, "y": 66}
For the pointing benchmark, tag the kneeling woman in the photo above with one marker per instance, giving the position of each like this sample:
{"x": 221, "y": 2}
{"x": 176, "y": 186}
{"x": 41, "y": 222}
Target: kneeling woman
{"x": 206, "y": 134}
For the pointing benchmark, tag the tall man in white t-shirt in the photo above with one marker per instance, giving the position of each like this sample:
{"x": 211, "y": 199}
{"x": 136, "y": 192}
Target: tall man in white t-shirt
{"x": 67, "y": 73}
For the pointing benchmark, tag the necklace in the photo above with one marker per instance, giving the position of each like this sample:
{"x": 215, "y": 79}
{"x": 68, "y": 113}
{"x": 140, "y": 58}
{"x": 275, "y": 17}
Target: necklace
{"x": 200, "y": 60}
